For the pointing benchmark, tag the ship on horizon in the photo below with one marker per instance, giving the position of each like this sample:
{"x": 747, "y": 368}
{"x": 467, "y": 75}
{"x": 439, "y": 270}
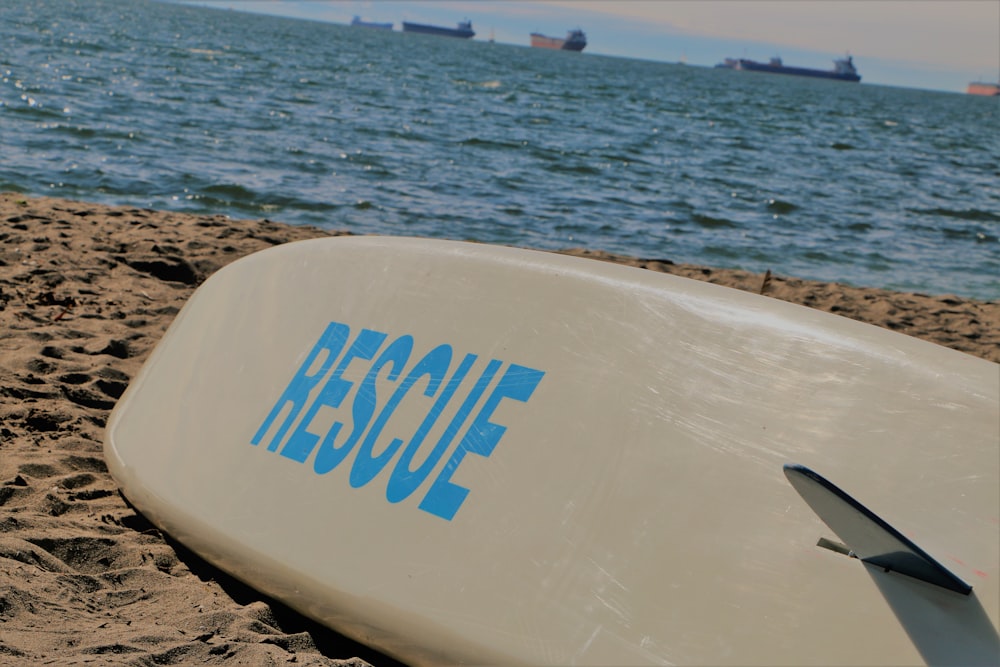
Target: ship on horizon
{"x": 983, "y": 88}
{"x": 843, "y": 70}
{"x": 463, "y": 31}
{"x": 575, "y": 41}
{"x": 358, "y": 22}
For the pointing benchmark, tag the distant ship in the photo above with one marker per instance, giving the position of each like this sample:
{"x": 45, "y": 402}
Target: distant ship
{"x": 843, "y": 69}
{"x": 464, "y": 29}
{"x": 357, "y": 22}
{"x": 575, "y": 41}
{"x": 983, "y": 88}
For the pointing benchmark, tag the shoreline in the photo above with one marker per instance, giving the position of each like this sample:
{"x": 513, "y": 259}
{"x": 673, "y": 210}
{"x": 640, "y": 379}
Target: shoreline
{"x": 86, "y": 292}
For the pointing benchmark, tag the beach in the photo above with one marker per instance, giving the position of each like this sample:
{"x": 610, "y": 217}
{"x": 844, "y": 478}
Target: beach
{"x": 86, "y": 291}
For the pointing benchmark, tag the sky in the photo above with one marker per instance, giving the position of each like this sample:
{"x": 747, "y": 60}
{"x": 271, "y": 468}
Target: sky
{"x": 929, "y": 44}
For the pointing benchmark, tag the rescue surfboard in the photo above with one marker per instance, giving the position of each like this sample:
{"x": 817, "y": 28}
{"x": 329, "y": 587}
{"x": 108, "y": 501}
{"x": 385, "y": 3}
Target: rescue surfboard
{"x": 467, "y": 454}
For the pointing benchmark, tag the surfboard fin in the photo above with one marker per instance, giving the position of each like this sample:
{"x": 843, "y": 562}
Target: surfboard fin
{"x": 866, "y": 536}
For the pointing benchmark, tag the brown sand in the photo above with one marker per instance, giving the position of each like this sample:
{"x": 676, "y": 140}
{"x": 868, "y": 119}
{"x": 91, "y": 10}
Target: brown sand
{"x": 85, "y": 293}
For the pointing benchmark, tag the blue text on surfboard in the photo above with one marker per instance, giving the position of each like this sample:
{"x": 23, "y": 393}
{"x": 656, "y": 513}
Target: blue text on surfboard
{"x": 320, "y": 383}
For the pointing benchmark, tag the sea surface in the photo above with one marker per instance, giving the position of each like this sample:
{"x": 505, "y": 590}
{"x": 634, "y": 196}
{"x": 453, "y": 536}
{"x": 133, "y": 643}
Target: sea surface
{"x": 212, "y": 111}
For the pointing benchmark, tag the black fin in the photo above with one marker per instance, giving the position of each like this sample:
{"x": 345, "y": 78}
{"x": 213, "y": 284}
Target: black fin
{"x": 869, "y": 537}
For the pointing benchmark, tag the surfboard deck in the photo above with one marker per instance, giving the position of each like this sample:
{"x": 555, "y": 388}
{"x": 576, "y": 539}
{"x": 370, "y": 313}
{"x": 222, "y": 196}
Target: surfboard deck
{"x": 460, "y": 453}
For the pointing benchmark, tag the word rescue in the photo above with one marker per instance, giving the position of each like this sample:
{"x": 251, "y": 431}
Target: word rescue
{"x": 320, "y": 386}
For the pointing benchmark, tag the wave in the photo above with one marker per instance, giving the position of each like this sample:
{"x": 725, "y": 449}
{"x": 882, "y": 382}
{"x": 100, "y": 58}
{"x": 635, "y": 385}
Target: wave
{"x": 710, "y": 222}
{"x": 973, "y": 214}
{"x": 780, "y": 206}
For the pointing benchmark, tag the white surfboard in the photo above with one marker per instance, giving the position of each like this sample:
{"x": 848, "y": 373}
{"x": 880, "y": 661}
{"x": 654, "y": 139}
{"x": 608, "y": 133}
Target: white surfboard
{"x": 459, "y": 453}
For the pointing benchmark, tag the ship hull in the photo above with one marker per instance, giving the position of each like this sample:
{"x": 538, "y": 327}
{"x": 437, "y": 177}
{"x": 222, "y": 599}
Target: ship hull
{"x": 986, "y": 89}
{"x": 358, "y": 23}
{"x": 543, "y": 42}
{"x": 420, "y": 28}
{"x": 753, "y": 66}
{"x": 572, "y": 43}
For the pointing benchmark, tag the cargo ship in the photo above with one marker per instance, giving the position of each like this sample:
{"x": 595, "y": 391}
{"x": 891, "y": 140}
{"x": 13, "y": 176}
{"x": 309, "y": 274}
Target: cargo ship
{"x": 843, "y": 69}
{"x": 463, "y": 31}
{"x": 359, "y": 23}
{"x": 983, "y": 88}
{"x": 575, "y": 41}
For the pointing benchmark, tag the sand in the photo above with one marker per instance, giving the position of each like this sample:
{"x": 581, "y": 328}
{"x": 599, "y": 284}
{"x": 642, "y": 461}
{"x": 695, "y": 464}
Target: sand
{"x": 86, "y": 291}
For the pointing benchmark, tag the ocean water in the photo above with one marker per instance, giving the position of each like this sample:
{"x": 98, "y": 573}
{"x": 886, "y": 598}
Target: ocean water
{"x": 212, "y": 111}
